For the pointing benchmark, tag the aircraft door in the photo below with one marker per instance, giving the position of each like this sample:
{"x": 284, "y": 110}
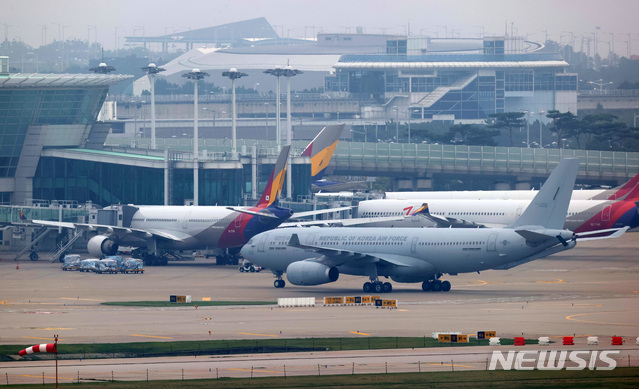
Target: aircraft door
{"x": 413, "y": 245}
{"x": 491, "y": 245}
{"x": 605, "y": 214}
{"x": 185, "y": 220}
{"x": 519, "y": 210}
{"x": 310, "y": 239}
{"x": 260, "y": 244}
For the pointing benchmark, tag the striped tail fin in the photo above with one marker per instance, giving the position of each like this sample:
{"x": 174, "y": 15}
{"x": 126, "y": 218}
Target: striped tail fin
{"x": 273, "y": 190}
{"x": 321, "y": 149}
{"x": 620, "y": 193}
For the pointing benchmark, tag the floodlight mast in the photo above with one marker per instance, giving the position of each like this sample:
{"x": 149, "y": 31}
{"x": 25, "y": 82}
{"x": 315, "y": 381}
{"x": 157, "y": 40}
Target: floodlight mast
{"x": 195, "y": 75}
{"x": 233, "y": 74}
{"x": 288, "y": 73}
{"x": 277, "y": 72}
{"x": 151, "y": 71}
{"x": 102, "y": 67}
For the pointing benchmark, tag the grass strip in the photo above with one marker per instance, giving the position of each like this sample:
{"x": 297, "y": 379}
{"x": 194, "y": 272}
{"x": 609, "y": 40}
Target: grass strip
{"x": 232, "y": 346}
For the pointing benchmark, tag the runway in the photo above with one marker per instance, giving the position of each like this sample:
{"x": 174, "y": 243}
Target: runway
{"x": 592, "y": 290}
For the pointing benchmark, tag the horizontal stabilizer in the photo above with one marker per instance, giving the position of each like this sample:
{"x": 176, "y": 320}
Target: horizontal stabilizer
{"x": 534, "y": 237}
{"x": 610, "y": 233}
{"x": 261, "y": 214}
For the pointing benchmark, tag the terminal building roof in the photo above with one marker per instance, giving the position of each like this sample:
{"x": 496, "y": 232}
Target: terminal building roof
{"x": 533, "y": 60}
{"x": 52, "y": 80}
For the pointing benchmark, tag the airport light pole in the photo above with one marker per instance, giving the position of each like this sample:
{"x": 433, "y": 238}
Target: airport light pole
{"x": 541, "y": 114}
{"x": 277, "y": 72}
{"x": 152, "y": 70}
{"x": 196, "y": 75}
{"x": 233, "y": 74}
{"x": 396, "y": 123}
{"x": 288, "y": 73}
{"x": 600, "y": 83}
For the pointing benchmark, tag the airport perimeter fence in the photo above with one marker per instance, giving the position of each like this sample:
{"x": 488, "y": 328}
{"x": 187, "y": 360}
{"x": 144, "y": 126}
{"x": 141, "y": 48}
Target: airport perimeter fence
{"x": 206, "y": 368}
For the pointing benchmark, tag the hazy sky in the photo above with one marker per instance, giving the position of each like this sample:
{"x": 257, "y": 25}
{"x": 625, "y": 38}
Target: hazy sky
{"x": 296, "y": 18}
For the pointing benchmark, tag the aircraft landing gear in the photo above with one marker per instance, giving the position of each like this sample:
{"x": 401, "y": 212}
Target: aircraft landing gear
{"x": 230, "y": 257}
{"x": 436, "y": 286}
{"x": 279, "y": 282}
{"x": 377, "y": 286}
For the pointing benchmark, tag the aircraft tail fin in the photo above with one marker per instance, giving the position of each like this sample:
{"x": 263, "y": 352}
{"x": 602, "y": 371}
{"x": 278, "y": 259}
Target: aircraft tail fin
{"x": 549, "y": 207}
{"x": 273, "y": 190}
{"x": 423, "y": 210}
{"x": 321, "y": 149}
{"x": 632, "y": 195}
{"x": 621, "y": 192}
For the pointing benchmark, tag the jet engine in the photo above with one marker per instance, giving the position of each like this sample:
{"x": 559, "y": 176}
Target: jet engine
{"x": 101, "y": 245}
{"x": 311, "y": 273}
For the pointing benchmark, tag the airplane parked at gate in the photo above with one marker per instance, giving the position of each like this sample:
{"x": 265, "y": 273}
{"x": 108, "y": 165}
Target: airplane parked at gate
{"x": 157, "y": 231}
{"x": 314, "y": 256}
{"x": 585, "y": 194}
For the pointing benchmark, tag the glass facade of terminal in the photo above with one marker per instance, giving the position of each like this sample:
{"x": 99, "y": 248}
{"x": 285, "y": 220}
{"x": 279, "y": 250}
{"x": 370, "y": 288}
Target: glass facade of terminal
{"x": 468, "y": 89}
{"x": 20, "y": 108}
{"x": 105, "y": 184}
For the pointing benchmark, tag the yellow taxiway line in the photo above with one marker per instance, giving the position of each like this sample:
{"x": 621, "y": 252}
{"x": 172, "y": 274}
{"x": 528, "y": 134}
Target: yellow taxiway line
{"x": 559, "y": 281}
{"x": 49, "y": 377}
{"x": 74, "y": 298}
{"x": 151, "y": 336}
{"x": 571, "y": 317}
{"x": 248, "y": 333}
{"x": 33, "y": 337}
{"x": 359, "y": 333}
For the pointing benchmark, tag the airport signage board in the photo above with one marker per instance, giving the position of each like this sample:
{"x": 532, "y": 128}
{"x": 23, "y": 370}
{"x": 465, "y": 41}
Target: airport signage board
{"x": 453, "y": 338}
{"x": 486, "y": 334}
{"x": 333, "y": 300}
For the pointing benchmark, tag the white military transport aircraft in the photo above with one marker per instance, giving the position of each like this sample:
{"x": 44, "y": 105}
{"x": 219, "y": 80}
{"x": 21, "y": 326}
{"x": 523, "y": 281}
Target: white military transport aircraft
{"x": 314, "y": 256}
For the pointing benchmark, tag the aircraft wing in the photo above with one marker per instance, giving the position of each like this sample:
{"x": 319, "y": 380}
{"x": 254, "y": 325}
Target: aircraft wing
{"x": 338, "y": 257}
{"x": 446, "y": 221}
{"x": 319, "y": 212}
{"x": 120, "y": 231}
{"x": 343, "y": 222}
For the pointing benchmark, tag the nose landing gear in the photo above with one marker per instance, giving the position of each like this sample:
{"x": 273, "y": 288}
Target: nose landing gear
{"x": 279, "y": 282}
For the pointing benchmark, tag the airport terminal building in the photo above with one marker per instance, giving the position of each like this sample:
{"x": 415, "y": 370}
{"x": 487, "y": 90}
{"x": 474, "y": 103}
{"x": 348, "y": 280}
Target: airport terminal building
{"x": 52, "y": 145}
{"x": 463, "y": 84}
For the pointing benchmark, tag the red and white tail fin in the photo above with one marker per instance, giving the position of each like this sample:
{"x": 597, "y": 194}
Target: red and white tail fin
{"x": 621, "y": 192}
